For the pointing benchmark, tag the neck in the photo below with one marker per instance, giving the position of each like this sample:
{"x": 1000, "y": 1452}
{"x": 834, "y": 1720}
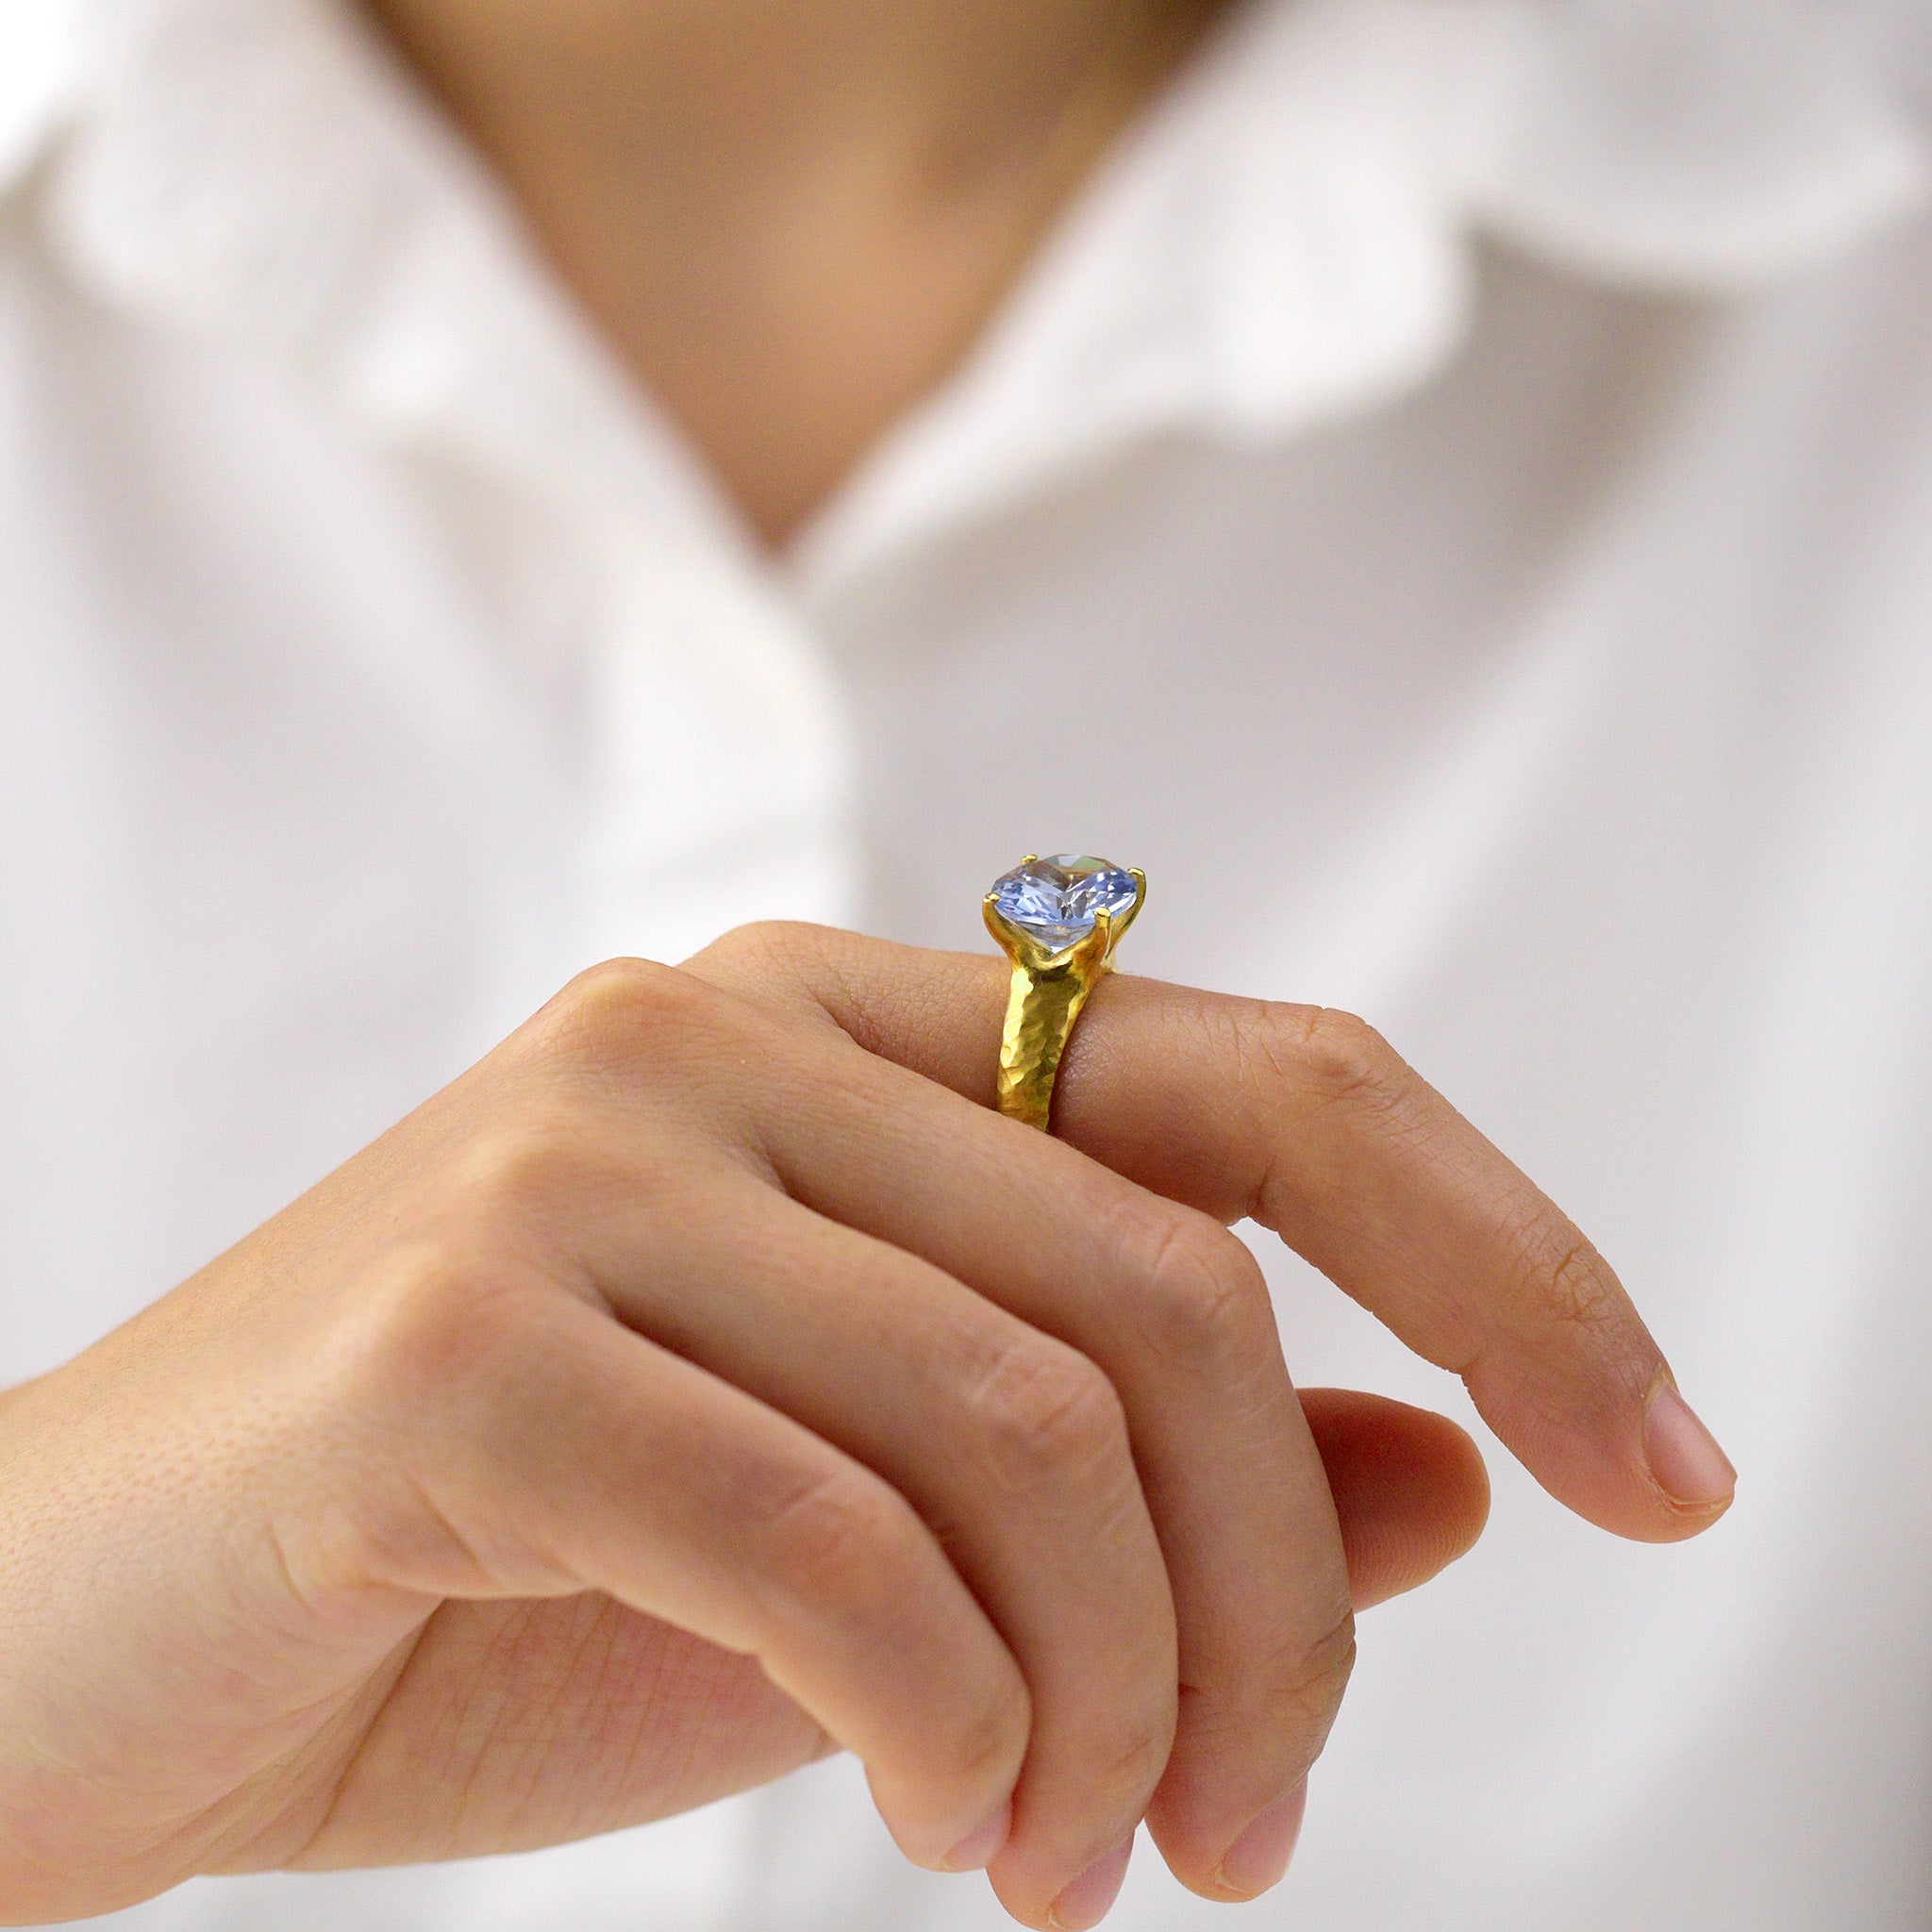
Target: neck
{"x": 790, "y": 219}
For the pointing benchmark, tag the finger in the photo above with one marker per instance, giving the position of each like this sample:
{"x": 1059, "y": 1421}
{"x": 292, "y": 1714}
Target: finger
{"x": 1305, "y": 1121}
{"x": 1011, "y": 1445}
{"x": 1410, "y": 1491}
{"x": 1175, "y": 1311}
{"x": 565, "y": 1453}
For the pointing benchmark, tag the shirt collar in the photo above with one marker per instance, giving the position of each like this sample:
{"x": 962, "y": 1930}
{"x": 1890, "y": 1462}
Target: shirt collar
{"x": 1285, "y": 238}
{"x": 1702, "y": 145}
{"x": 265, "y": 169}
{"x": 1289, "y": 238}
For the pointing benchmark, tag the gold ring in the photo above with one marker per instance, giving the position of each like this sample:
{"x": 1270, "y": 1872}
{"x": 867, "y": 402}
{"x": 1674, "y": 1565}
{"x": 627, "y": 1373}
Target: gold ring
{"x": 1058, "y": 920}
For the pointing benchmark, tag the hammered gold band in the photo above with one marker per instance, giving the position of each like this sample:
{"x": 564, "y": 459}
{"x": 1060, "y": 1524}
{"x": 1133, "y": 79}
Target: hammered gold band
{"x": 1051, "y": 983}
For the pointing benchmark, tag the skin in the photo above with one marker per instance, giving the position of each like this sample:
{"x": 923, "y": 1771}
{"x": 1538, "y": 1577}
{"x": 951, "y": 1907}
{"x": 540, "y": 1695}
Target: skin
{"x": 790, "y": 222}
{"x": 709, "y": 1378}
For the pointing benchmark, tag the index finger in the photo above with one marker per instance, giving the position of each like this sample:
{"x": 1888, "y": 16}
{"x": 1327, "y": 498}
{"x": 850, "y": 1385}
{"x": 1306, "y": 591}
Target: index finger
{"x": 1305, "y": 1120}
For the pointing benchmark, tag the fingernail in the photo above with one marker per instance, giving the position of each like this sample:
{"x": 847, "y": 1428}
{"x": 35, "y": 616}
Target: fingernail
{"x": 1086, "y": 1900}
{"x": 976, "y": 1851}
{"x": 1259, "y": 1857}
{"x": 1684, "y": 1455}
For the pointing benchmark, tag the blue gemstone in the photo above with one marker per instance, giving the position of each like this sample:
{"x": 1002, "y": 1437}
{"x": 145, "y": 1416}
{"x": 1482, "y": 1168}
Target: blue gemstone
{"x": 1054, "y": 900}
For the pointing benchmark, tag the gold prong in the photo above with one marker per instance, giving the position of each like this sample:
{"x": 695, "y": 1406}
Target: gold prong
{"x": 1103, "y": 925}
{"x": 1004, "y": 937}
{"x": 1133, "y": 911}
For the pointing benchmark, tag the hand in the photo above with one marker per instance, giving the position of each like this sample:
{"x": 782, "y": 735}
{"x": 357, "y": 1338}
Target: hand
{"x": 703, "y": 1381}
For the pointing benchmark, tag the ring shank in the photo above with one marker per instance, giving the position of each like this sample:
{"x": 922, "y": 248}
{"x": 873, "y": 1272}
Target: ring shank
{"x": 1042, "y": 1007}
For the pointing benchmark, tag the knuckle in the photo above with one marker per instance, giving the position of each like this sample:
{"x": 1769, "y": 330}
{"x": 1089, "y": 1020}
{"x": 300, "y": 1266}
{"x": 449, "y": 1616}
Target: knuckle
{"x": 1204, "y": 1299}
{"x": 842, "y": 1535}
{"x": 1134, "y": 1768}
{"x": 623, "y": 1008}
{"x": 1576, "y": 1283}
{"x": 990, "y": 1738}
{"x": 1316, "y": 1684}
{"x": 1044, "y": 1414}
{"x": 448, "y": 1379}
{"x": 1301, "y": 1696}
{"x": 1331, "y": 1067}
{"x": 444, "y": 1321}
{"x": 520, "y": 1167}
{"x": 1335, "y": 1053}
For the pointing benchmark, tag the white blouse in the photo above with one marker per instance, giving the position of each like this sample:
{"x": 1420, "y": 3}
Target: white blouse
{"x": 1453, "y": 501}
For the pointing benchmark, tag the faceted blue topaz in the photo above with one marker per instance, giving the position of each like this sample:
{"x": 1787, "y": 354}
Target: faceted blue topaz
{"x": 1054, "y": 900}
